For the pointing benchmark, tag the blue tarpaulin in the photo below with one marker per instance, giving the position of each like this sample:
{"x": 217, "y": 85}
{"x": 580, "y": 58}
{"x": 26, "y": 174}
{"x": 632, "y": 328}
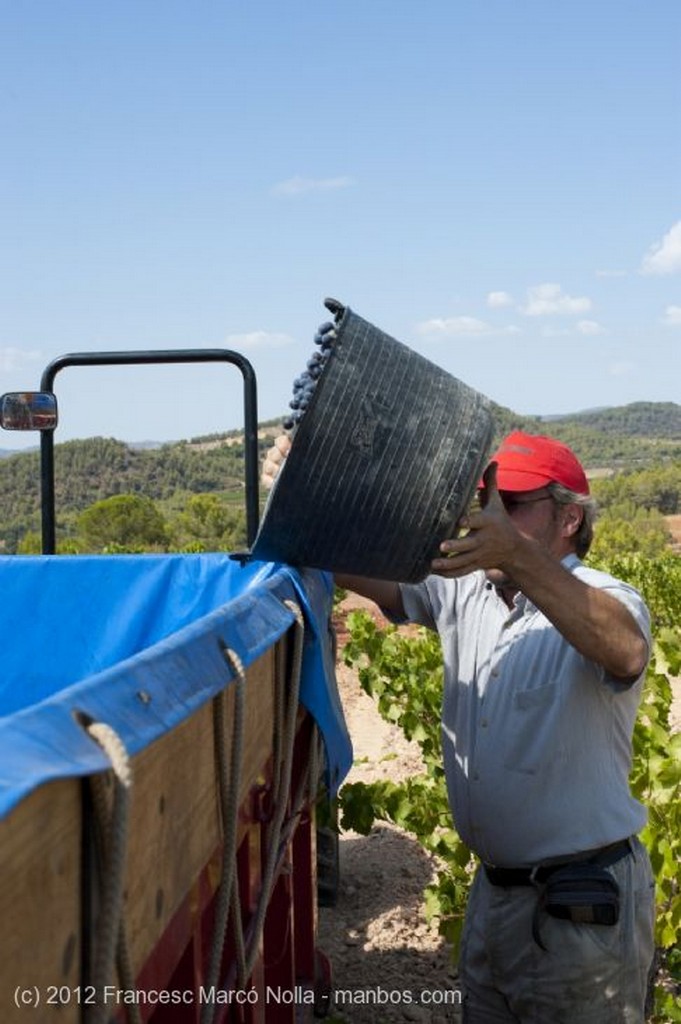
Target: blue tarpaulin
{"x": 134, "y": 641}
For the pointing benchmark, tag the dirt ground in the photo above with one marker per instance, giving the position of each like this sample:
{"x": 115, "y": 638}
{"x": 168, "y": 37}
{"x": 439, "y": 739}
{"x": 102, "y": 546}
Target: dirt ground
{"x": 674, "y": 523}
{"x": 388, "y": 965}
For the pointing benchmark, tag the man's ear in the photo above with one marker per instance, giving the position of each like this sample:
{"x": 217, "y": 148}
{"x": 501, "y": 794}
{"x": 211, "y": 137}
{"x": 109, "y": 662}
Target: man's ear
{"x": 572, "y": 519}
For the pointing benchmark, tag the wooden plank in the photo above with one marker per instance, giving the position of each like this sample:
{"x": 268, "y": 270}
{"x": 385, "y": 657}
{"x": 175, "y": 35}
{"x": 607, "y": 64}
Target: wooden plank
{"x": 40, "y": 860}
{"x": 175, "y": 820}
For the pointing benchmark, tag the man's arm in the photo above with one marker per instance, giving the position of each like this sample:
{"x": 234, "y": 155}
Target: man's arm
{"x": 385, "y": 593}
{"x": 597, "y": 624}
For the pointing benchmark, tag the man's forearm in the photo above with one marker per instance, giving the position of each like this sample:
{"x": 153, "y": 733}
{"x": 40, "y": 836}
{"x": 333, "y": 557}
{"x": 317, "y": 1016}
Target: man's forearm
{"x": 385, "y": 593}
{"x": 598, "y": 625}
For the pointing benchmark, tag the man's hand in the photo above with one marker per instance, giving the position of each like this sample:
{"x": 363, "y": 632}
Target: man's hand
{"x": 274, "y": 459}
{"x": 490, "y": 542}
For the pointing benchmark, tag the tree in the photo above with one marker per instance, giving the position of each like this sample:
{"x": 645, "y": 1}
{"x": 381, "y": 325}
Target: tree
{"x": 128, "y": 521}
{"x": 630, "y": 529}
{"x": 30, "y": 544}
{"x": 208, "y": 523}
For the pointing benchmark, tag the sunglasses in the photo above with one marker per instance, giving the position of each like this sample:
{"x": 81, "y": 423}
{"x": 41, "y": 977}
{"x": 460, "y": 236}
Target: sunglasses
{"x": 510, "y": 503}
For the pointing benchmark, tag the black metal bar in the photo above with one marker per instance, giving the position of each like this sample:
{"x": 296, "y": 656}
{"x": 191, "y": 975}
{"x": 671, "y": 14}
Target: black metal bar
{"x": 49, "y": 527}
{"x": 147, "y": 357}
{"x": 47, "y": 491}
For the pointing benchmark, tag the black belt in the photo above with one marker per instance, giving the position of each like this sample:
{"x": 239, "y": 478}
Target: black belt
{"x": 604, "y": 857}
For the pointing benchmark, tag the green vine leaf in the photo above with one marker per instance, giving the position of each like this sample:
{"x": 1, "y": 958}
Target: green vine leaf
{"x": 402, "y": 671}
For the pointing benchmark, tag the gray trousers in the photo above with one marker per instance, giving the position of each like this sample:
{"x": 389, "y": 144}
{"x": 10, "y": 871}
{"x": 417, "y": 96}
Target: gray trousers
{"x": 588, "y": 974}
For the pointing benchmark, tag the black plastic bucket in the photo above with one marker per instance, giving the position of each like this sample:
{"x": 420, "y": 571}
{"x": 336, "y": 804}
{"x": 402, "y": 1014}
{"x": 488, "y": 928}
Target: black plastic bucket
{"x": 384, "y": 462}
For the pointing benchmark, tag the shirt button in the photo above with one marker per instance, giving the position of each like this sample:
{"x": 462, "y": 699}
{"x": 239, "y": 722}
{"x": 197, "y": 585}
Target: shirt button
{"x": 476, "y": 776}
{"x": 483, "y": 723}
{"x": 494, "y": 672}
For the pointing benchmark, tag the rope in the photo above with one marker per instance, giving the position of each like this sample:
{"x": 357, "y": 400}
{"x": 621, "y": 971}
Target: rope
{"x": 285, "y": 718}
{"x": 278, "y": 713}
{"x": 126, "y": 973}
{"x": 228, "y": 781}
{"x": 281, "y": 792}
{"x": 307, "y": 787}
{"x": 238, "y": 932}
{"x": 111, "y": 827}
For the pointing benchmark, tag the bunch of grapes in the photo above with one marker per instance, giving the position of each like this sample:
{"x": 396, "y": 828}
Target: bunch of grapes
{"x": 305, "y": 384}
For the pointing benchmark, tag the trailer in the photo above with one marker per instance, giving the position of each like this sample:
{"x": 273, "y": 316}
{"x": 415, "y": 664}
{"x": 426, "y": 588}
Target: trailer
{"x": 169, "y": 722}
{"x": 167, "y": 725}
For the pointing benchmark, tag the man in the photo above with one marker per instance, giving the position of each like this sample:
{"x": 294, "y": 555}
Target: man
{"x": 544, "y": 662}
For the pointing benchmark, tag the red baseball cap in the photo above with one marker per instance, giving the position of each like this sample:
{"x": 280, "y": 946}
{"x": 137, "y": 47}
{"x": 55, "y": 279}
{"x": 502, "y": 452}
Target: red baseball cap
{"x": 528, "y": 461}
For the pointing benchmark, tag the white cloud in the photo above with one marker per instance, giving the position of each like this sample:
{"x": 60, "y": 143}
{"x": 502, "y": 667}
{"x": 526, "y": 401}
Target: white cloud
{"x": 12, "y": 359}
{"x": 622, "y": 368}
{"x": 497, "y": 300}
{"x": 672, "y": 316}
{"x": 452, "y": 326}
{"x": 590, "y": 327}
{"x": 298, "y": 186}
{"x": 664, "y": 257}
{"x": 612, "y": 273}
{"x": 555, "y": 332}
{"x": 549, "y": 299}
{"x": 258, "y": 339}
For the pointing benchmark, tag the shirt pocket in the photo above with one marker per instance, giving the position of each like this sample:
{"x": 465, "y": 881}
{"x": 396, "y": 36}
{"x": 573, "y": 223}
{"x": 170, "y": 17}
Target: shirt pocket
{"x": 530, "y": 740}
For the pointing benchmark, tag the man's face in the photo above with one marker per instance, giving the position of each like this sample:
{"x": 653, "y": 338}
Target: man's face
{"x": 535, "y": 516}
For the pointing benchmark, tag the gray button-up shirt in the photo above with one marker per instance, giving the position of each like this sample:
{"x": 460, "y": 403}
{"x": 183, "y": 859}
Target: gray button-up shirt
{"x": 536, "y": 738}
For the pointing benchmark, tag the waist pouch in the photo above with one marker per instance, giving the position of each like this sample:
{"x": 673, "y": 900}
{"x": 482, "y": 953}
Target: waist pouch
{"x": 582, "y": 893}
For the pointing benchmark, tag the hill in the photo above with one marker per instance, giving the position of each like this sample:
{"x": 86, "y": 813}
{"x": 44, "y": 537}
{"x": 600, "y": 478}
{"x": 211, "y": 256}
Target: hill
{"x": 90, "y": 470}
{"x": 640, "y": 419}
{"x": 633, "y": 436}
{"x": 628, "y": 436}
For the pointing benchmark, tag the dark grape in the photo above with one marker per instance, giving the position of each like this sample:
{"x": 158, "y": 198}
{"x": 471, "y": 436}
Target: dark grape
{"x": 304, "y": 385}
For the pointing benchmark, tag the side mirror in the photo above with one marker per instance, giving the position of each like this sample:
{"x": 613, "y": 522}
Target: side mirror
{"x": 28, "y": 410}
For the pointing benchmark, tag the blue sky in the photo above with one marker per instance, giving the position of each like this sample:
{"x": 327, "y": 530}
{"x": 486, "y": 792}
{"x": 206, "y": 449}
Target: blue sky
{"x": 495, "y": 183}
